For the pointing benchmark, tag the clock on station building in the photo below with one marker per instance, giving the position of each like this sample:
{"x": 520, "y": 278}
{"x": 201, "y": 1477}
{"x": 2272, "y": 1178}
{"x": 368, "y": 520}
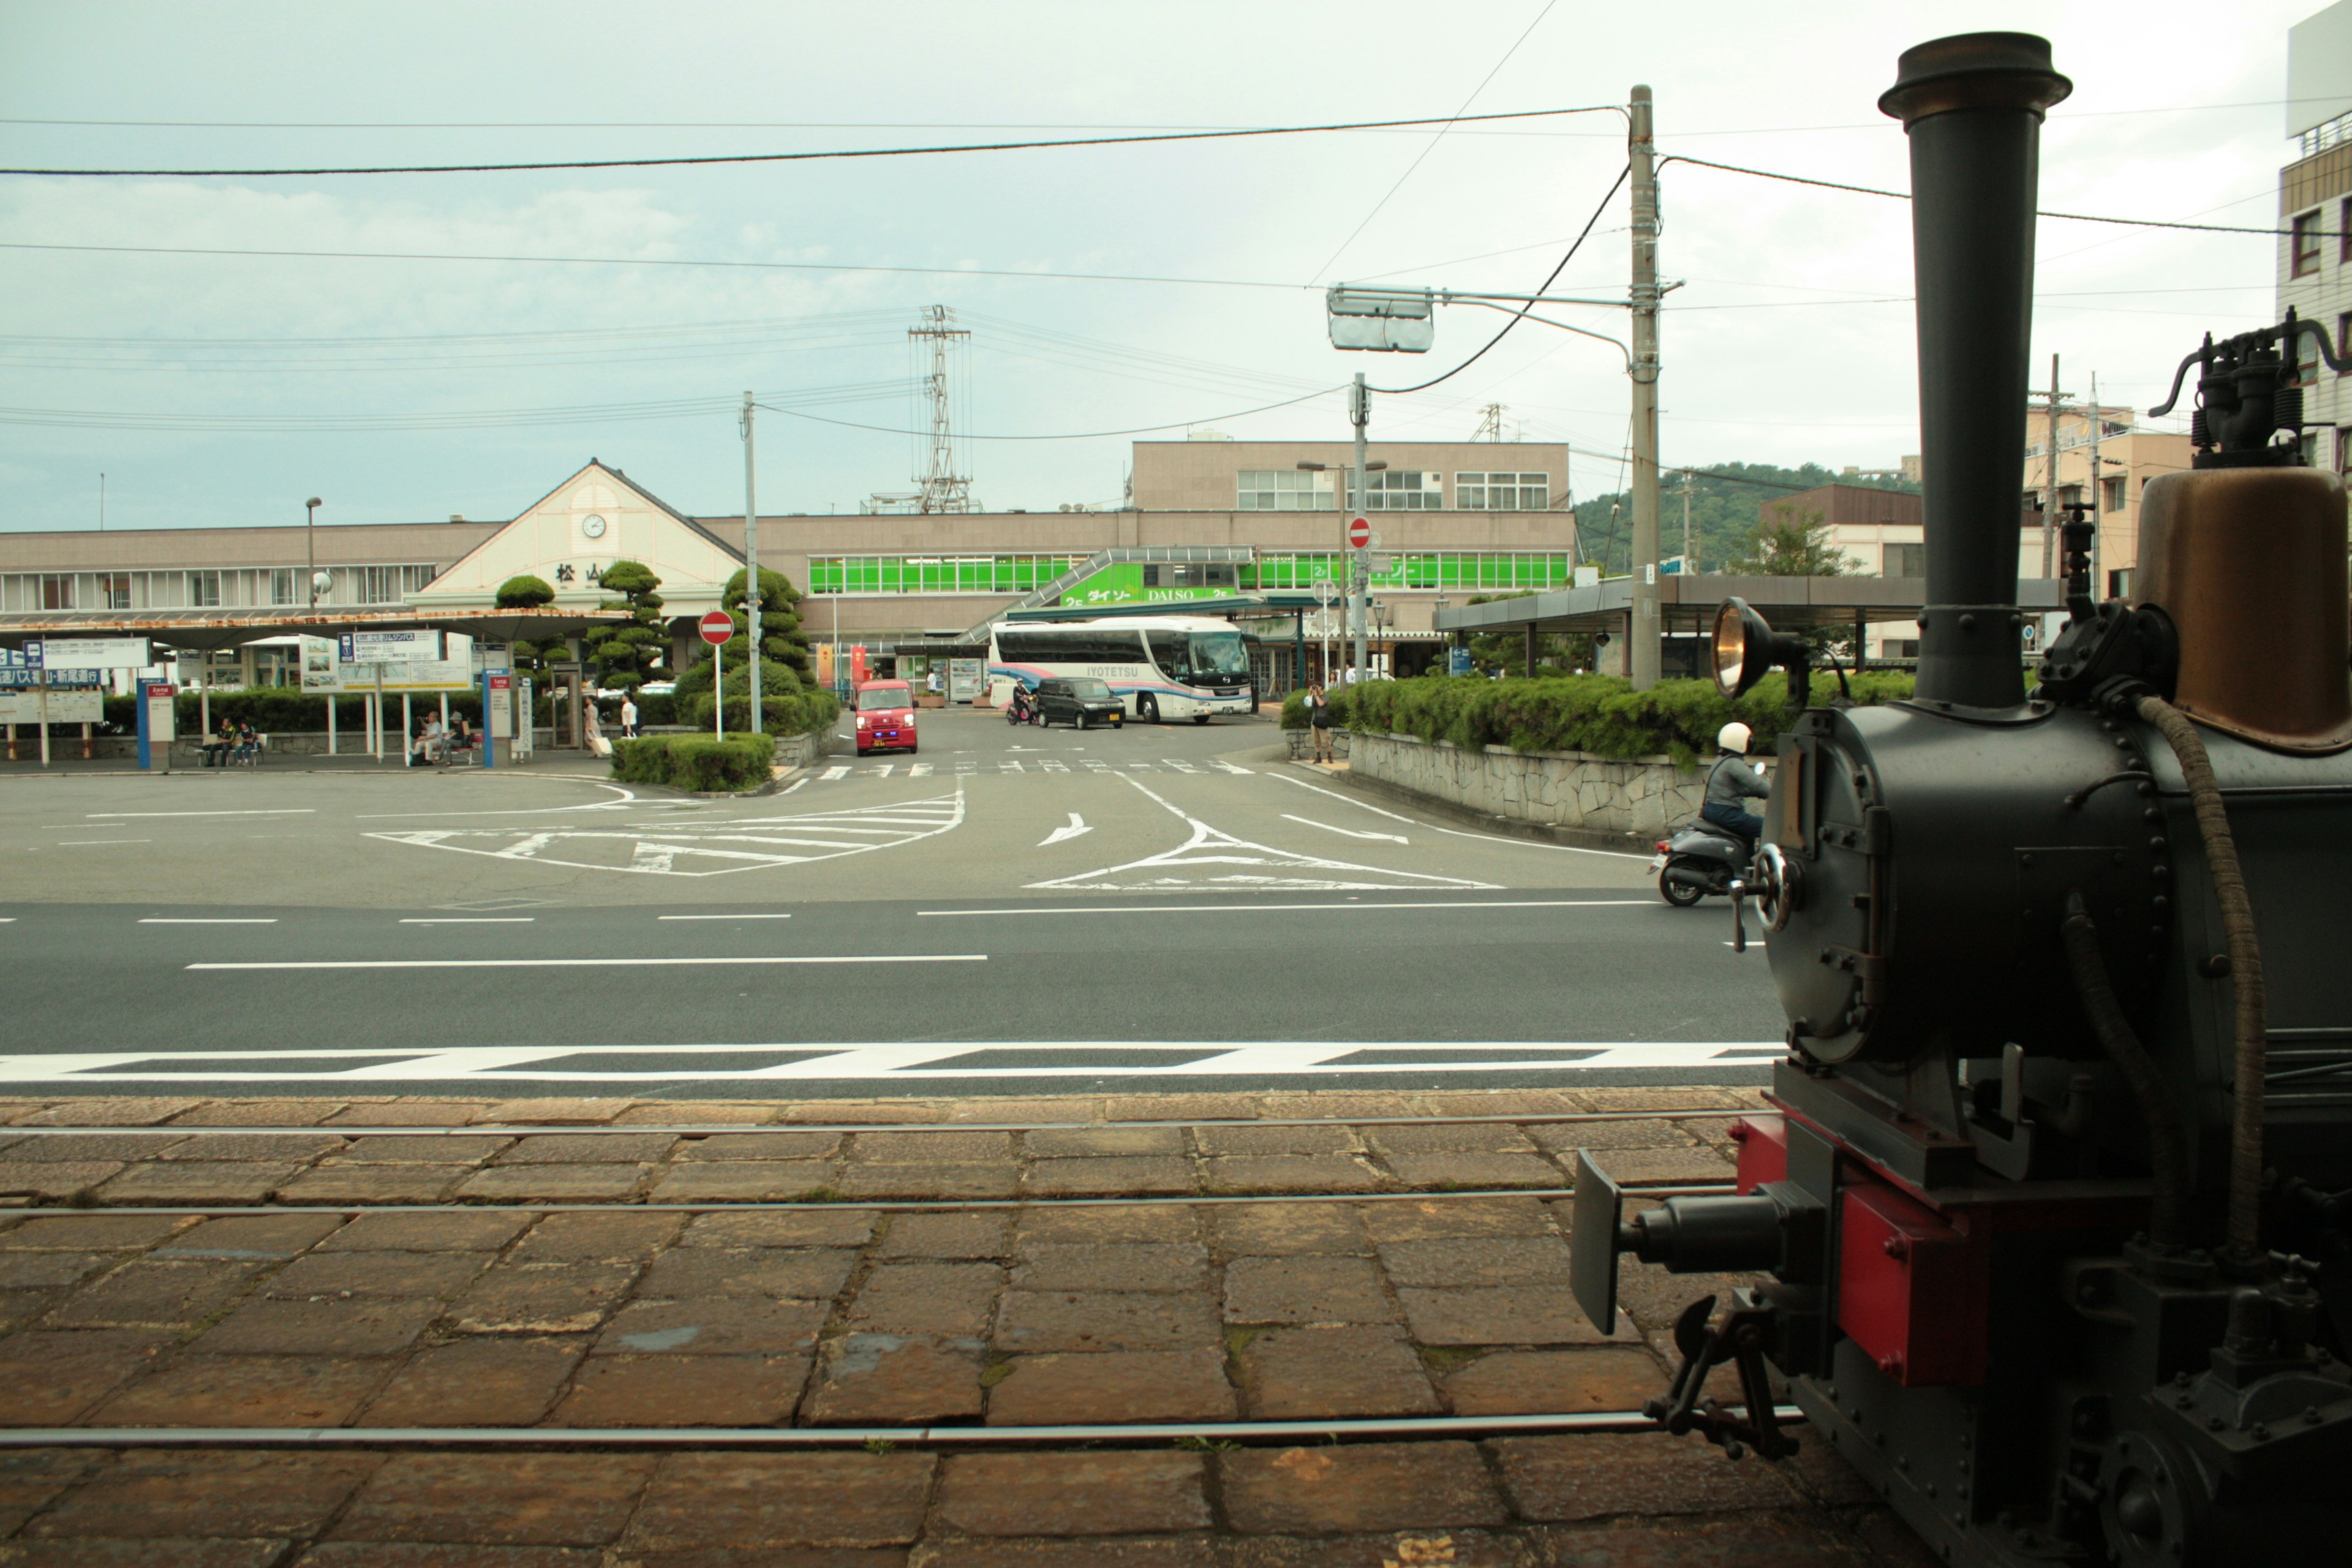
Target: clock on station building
{"x": 593, "y": 525}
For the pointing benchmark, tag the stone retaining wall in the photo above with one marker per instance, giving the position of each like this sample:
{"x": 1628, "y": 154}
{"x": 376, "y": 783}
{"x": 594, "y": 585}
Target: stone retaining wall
{"x": 1570, "y": 789}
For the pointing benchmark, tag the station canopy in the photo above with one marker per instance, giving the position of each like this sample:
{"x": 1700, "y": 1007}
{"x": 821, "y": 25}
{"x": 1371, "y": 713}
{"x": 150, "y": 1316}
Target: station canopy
{"x": 199, "y": 631}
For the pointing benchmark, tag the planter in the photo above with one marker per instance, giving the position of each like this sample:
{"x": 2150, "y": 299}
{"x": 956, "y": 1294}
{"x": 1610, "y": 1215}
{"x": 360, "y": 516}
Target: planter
{"x": 1643, "y": 796}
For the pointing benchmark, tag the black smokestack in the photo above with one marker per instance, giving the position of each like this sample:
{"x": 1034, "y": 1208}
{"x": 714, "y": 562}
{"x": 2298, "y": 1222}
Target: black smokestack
{"x": 1972, "y": 106}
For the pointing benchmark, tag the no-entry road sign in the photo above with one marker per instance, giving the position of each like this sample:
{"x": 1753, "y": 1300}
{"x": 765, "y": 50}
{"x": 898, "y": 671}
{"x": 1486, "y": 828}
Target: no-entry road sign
{"x": 718, "y": 626}
{"x": 1360, "y": 534}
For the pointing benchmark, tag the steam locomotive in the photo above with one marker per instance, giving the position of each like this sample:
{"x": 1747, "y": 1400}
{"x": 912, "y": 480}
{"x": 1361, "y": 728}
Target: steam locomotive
{"x": 2055, "y": 1198}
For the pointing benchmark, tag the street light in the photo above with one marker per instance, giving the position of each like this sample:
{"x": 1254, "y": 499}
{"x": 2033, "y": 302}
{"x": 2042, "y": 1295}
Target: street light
{"x": 310, "y": 539}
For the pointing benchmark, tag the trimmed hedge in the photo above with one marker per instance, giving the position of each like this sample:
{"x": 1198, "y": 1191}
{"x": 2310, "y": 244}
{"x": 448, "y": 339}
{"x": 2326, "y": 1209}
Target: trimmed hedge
{"x": 1599, "y": 714}
{"x": 697, "y": 762}
{"x": 788, "y": 713}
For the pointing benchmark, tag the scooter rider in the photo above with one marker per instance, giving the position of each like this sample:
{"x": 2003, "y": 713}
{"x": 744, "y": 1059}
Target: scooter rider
{"x": 1732, "y": 781}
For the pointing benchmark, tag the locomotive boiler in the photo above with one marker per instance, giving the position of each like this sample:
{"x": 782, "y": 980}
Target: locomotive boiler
{"x": 2055, "y": 1197}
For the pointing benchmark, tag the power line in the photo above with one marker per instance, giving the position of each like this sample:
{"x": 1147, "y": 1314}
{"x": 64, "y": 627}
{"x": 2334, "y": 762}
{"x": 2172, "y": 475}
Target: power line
{"x": 1068, "y": 436}
{"x": 785, "y": 157}
{"x": 1521, "y": 315}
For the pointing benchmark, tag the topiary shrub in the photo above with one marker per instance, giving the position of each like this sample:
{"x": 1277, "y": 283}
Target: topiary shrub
{"x": 703, "y": 762}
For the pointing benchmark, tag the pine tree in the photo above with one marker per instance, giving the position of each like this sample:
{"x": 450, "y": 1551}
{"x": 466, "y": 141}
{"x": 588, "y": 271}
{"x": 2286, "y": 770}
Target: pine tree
{"x": 625, "y": 656}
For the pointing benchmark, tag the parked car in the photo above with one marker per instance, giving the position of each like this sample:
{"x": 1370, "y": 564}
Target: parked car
{"x": 1081, "y": 700}
{"x": 886, "y": 716}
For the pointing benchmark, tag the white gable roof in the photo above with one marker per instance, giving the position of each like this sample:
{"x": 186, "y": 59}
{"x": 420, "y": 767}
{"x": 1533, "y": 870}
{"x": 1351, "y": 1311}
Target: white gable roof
{"x": 578, "y": 529}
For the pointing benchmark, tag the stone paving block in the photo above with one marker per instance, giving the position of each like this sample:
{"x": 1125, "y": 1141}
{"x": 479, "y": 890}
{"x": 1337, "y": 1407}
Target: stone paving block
{"x": 1500, "y": 1102}
{"x": 177, "y": 1493}
{"x": 778, "y": 1145}
{"x": 1292, "y": 1173}
{"x": 435, "y": 1274}
{"x": 1307, "y": 1291}
{"x": 886, "y": 1380}
{"x": 1437, "y": 1219}
{"x": 1664, "y": 1096}
{"x": 1082, "y": 1142}
{"x": 542, "y": 1297}
{"x": 1453, "y": 1264}
{"x": 551, "y": 1500}
{"x": 1112, "y": 1266}
{"x": 1454, "y": 1548}
{"x": 1472, "y": 1170}
{"x": 1030, "y": 1321}
{"x": 98, "y": 1148}
{"x": 244, "y": 1391}
{"x": 198, "y": 1181}
{"x": 607, "y": 1237}
{"x": 1654, "y": 1299}
{"x": 851, "y": 1112}
{"x": 984, "y": 1233}
{"x": 693, "y": 1272}
{"x": 138, "y": 1110}
{"x": 1695, "y": 1163}
{"x": 258, "y": 1113}
{"x": 1450, "y": 1138}
{"x": 797, "y": 1227}
{"x": 405, "y": 1113}
{"x": 555, "y": 1113}
{"x": 743, "y": 1181}
{"x": 1067, "y": 1494}
{"x": 18, "y": 1308}
{"x": 931, "y": 1148}
{"x": 1111, "y": 1176}
{"x": 1036, "y": 1552}
{"x": 1108, "y": 1223}
{"x": 435, "y": 1554}
{"x": 1596, "y": 1474}
{"x": 1005, "y": 1110}
{"x": 1597, "y": 1136}
{"x": 1302, "y": 1373}
{"x": 52, "y": 1379}
{"x": 1113, "y": 1386}
{"x": 1499, "y": 1315}
{"x": 684, "y": 1391}
{"x": 260, "y": 1554}
{"x": 1337, "y": 1105}
{"x": 730, "y": 1326}
{"x": 703, "y": 1500}
{"x": 554, "y": 1184}
{"x": 1326, "y": 1138}
{"x": 946, "y": 1299}
{"x": 695, "y": 1113}
{"x": 29, "y": 1477}
{"x": 336, "y": 1183}
{"x": 1546, "y": 1383}
{"x": 143, "y": 1294}
{"x": 92, "y": 1233}
{"x": 426, "y": 1149}
{"x": 55, "y": 1182}
{"x": 902, "y": 1182}
{"x": 256, "y": 1237}
{"x": 296, "y": 1146}
{"x": 329, "y": 1326}
{"x": 483, "y": 1381}
{"x": 1182, "y": 1108}
{"x": 50, "y": 1270}
{"x": 483, "y": 1232}
{"x": 1753, "y": 1542}
{"x": 1358, "y": 1487}
{"x": 1280, "y": 1230}
{"x": 588, "y": 1149}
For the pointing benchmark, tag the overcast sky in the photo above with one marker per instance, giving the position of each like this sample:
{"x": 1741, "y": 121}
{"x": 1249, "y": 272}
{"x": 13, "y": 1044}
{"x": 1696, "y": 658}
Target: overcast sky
{"x": 1790, "y": 340}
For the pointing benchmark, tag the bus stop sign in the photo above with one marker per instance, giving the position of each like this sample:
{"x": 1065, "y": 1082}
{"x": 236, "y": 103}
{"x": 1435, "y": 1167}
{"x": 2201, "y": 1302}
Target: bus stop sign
{"x": 718, "y": 626}
{"x": 1360, "y": 534}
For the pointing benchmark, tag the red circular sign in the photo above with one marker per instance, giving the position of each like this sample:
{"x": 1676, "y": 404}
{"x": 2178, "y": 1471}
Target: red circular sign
{"x": 716, "y": 626}
{"x": 1360, "y": 534}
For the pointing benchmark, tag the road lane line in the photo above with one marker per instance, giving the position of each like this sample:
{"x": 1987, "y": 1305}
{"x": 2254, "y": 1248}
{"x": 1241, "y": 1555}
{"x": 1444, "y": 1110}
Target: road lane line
{"x": 190, "y": 920}
{"x": 1344, "y": 908}
{"x": 1075, "y": 827}
{"x": 797, "y": 784}
{"x": 1349, "y": 832}
{"x": 722, "y": 917}
{"x": 1457, "y": 833}
{"x": 467, "y": 921}
{"x": 274, "y": 811}
{"x": 595, "y": 963}
{"x": 79, "y": 843}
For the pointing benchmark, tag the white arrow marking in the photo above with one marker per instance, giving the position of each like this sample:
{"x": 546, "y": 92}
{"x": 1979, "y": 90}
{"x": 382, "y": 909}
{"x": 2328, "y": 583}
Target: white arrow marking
{"x": 1077, "y": 827}
{"x": 1349, "y": 832}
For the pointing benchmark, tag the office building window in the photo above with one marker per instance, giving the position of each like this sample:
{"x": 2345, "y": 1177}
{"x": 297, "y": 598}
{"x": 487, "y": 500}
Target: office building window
{"x": 1905, "y": 561}
{"x": 2344, "y": 449}
{"x": 57, "y": 591}
{"x": 1288, "y": 490}
{"x": 204, "y": 589}
{"x": 2343, "y": 234}
{"x": 2110, "y": 494}
{"x": 281, "y": 586}
{"x": 1502, "y": 492}
{"x": 2302, "y": 247}
{"x": 1404, "y": 491}
{"x": 2120, "y": 583}
{"x": 2308, "y": 447}
{"x": 114, "y": 590}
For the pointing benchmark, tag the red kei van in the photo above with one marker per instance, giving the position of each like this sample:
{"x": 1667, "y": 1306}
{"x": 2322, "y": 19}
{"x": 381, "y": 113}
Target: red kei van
{"x": 886, "y": 716}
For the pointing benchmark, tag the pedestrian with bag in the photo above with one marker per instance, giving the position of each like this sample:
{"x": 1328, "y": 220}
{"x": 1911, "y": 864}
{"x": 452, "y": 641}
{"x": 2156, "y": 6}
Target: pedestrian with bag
{"x": 1319, "y": 721}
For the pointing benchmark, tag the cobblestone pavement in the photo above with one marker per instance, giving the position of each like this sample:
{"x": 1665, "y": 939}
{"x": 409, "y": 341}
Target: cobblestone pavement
{"x": 338, "y": 1311}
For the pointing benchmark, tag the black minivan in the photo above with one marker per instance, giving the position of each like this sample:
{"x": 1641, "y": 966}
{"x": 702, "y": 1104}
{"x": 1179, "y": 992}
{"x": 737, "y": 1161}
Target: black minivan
{"x": 1078, "y": 699}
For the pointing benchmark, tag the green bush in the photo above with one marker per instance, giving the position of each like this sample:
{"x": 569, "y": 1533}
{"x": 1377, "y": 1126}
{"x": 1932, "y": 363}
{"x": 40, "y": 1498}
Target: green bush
{"x": 1294, "y": 709}
{"x": 792, "y": 714}
{"x": 1600, "y": 714}
{"x": 696, "y": 762}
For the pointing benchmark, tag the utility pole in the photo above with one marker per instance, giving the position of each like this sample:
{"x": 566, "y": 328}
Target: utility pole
{"x": 751, "y": 568}
{"x": 101, "y": 500}
{"x": 2050, "y": 500}
{"x": 310, "y": 542}
{"x": 1644, "y": 657}
{"x": 1360, "y": 410}
{"x": 1690, "y": 563}
{"x": 2099, "y": 491}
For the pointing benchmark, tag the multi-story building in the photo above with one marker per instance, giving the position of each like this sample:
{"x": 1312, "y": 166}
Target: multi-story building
{"x": 2128, "y": 456}
{"x": 2315, "y": 256}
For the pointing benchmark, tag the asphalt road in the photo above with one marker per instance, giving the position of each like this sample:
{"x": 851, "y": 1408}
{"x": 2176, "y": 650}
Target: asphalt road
{"x": 1008, "y": 909}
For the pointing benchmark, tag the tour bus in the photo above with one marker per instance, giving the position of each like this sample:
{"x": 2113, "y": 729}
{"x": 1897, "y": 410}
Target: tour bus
{"x": 1161, "y": 667}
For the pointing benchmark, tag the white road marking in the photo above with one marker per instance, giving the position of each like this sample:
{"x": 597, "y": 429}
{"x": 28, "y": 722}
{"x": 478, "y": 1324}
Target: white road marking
{"x": 628, "y": 798}
{"x": 919, "y": 770}
{"x": 192, "y": 920}
{"x": 1077, "y": 828}
{"x": 838, "y": 770}
{"x": 276, "y": 811}
{"x": 82, "y": 843}
{"x": 884, "y": 769}
{"x": 1339, "y": 909}
{"x": 1351, "y": 833}
{"x": 1458, "y": 833}
{"x": 864, "y": 1059}
{"x": 638, "y": 962}
{"x": 1200, "y": 862}
{"x": 746, "y": 917}
{"x": 796, "y": 784}
{"x": 468, "y": 920}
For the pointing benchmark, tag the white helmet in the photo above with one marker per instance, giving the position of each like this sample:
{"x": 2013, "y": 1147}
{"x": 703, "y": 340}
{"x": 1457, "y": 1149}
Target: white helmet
{"x": 1733, "y": 737}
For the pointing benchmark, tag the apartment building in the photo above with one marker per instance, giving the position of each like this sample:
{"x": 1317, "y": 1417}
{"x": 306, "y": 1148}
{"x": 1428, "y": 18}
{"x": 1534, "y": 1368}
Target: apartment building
{"x": 2315, "y": 254}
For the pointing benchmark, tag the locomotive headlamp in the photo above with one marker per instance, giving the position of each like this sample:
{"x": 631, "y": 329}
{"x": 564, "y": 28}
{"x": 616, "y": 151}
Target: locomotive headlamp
{"x": 1747, "y": 649}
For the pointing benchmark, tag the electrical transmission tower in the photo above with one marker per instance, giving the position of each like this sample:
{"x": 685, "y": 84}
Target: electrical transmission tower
{"x": 941, "y": 487}
{"x": 1490, "y": 424}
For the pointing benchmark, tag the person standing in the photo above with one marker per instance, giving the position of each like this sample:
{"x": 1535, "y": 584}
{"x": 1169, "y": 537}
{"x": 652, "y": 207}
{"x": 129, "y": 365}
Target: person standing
{"x": 1319, "y": 721}
{"x": 629, "y": 716}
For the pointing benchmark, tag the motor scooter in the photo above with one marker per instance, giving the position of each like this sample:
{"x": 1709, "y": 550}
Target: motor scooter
{"x": 1699, "y": 860}
{"x": 1023, "y": 707}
